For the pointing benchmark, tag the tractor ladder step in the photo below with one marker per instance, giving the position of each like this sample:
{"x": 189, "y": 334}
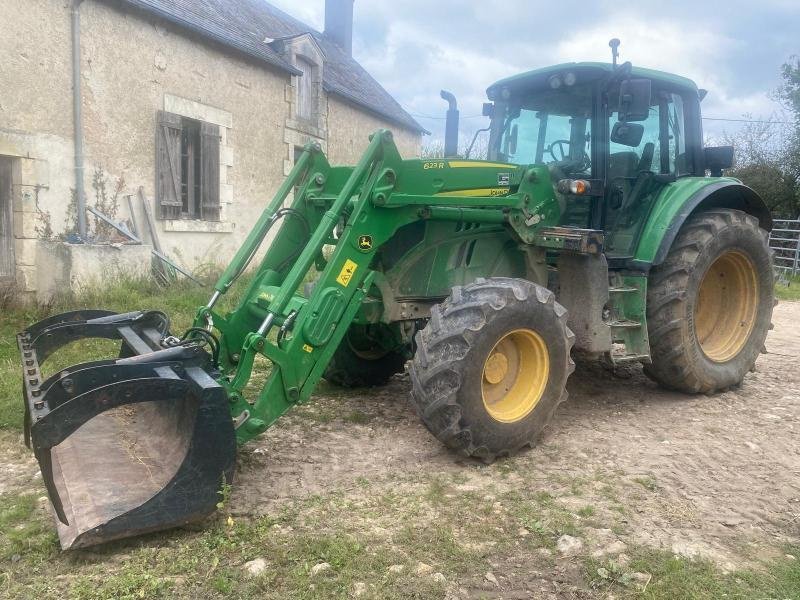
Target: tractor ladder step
{"x": 626, "y": 304}
{"x": 624, "y": 324}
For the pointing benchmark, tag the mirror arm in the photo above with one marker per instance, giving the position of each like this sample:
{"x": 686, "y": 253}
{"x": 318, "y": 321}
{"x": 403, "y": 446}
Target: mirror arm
{"x": 474, "y": 139}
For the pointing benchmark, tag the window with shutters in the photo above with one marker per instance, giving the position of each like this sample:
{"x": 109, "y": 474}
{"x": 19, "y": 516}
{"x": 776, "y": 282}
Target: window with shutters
{"x": 187, "y": 168}
{"x": 306, "y": 93}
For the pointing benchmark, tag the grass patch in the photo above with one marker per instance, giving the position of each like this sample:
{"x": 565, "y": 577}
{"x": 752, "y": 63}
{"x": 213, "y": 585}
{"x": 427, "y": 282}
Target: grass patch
{"x": 25, "y": 529}
{"x": 790, "y": 291}
{"x": 333, "y": 529}
{"x": 357, "y": 417}
{"x": 659, "y": 575}
{"x": 648, "y": 482}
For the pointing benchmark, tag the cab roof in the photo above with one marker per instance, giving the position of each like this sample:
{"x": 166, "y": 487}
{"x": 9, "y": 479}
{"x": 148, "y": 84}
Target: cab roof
{"x": 588, "y": 71}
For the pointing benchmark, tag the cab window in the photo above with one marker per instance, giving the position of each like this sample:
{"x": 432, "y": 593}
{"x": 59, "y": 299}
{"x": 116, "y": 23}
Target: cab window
{"x": 663, "y": 145}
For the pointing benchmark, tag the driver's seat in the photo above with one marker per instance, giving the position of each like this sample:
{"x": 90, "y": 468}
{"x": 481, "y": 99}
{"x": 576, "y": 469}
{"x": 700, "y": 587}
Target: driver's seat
{"x": 622, "y": 164}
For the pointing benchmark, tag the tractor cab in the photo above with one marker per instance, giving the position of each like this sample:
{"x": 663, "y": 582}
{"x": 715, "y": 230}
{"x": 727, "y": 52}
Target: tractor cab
{"x": 611, "y": 136}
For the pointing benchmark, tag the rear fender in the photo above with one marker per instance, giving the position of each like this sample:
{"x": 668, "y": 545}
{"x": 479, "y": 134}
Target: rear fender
{"x": 684, "y": 198}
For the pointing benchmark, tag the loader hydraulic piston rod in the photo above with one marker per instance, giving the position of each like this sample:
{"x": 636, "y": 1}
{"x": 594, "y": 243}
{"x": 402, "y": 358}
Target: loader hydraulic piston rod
{"x": 262, "y": 226}
{"x": 322, "y": 232}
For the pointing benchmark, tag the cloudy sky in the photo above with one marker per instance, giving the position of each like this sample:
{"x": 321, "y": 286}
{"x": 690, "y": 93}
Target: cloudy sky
{"x": 733, "y": 48}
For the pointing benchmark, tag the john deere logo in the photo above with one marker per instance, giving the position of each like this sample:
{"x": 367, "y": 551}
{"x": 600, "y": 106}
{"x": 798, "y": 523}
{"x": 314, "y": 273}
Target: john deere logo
{"x": 365, "y": 242}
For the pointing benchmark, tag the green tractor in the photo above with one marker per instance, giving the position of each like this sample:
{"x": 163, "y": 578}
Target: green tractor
{"x": 598, "y": 224}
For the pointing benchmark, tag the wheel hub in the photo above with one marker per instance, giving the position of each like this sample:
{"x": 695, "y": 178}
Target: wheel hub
{"x": 496, "y": 368}
{"x": 727, "y": 305}
{"x": 515, "y": 375}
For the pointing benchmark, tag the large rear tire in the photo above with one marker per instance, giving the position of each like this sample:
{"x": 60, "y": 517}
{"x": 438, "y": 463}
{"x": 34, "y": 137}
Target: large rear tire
{"x": 362, "y": 361}
{"x": 709, "y": 304}
{"x": 491, "y": 366}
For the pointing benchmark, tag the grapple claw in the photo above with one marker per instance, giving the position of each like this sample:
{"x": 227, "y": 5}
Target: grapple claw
{"x": 129, "y": 445}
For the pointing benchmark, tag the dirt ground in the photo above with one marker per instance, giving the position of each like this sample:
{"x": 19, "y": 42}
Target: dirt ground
{"x": 710, "y": 476}
{"x": 725, "y": 469}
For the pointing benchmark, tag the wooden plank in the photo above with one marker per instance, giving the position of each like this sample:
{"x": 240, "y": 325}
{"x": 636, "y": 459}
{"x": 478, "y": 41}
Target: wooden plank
{"x": 134, "y": 223}
{"x": 161, "y": 270}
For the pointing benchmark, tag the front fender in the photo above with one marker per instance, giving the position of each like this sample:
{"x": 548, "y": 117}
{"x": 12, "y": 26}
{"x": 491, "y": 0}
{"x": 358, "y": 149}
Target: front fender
{"x": 685, "y": 197}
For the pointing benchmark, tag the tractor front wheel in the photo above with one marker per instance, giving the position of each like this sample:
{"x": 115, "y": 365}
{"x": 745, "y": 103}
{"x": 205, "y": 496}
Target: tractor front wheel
{"x": 709, "y": 304}
{"x": 491, "y": 366}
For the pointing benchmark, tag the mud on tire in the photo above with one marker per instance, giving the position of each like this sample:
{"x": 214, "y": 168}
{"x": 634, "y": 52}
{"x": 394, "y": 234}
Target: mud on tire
{"x": 447, "y": 372}
{"x": 683, "y": 358}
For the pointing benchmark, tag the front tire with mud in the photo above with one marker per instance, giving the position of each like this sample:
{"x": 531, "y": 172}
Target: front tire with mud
{"x": 491, "y": 366}
{"x": 709, "y": 304}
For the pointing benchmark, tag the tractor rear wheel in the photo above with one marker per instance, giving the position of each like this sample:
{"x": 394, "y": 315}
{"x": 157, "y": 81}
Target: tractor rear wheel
{"x": 362, "y": 361}
{"x": 709, "y": 304}
{"x": 491, "y": 366}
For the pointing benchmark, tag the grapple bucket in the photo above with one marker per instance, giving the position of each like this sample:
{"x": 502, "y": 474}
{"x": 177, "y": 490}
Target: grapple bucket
{"x": 135, "y": 444}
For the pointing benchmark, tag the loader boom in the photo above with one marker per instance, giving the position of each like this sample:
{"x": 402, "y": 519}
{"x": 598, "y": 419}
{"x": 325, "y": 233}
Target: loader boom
{"x": 298, "y": 334}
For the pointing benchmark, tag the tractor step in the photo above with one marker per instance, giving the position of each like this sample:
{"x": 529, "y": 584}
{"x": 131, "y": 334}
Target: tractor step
{"x": 571, "y": 239}
{"x": 625, "y": 324}
{"x": 627, "y": 296}
{"x": 128, "y": 445}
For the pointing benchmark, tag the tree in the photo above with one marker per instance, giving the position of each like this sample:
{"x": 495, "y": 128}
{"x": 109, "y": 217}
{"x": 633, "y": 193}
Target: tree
{"x": 768, "y": 154}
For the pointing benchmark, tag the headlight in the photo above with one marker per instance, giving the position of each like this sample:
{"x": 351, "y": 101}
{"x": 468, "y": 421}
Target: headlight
{"x": 555, "y": 82}
{"x": 570, "y": 78}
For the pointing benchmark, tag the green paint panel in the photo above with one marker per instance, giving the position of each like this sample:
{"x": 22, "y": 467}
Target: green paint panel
{"x": 668, "y": 204}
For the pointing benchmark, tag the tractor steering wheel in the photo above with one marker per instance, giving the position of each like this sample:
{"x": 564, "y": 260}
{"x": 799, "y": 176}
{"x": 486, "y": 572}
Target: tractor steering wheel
{"x": 565, "y": 162}
{"x": 562, "y": 146}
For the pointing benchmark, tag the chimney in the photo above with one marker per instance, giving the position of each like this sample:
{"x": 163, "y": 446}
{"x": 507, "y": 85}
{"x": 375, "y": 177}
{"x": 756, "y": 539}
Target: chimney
{"x": 339, "y": 23}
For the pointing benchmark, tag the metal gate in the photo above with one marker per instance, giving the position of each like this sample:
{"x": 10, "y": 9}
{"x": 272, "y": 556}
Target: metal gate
{"x": 784, "y": 241}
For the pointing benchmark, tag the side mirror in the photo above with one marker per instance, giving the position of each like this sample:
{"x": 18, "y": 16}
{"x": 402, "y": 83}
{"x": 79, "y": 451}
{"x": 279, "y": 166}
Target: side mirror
{"x": 634, "y": 99}
{"x": 627, "y": 134}
{"x": 717, "y": 158}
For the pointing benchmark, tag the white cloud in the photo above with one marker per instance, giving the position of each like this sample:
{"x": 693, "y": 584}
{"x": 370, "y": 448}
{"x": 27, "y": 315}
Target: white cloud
{"x": 415, "y": 48}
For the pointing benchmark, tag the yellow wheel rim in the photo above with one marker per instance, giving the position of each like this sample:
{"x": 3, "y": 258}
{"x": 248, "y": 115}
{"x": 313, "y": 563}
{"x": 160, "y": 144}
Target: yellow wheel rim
{"x": 515, "y": 375}
{"x": 727, "y": 305}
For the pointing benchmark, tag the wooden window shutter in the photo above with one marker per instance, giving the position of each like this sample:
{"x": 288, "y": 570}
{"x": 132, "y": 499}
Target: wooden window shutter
{"x": 209, "y": 172}
{"x": 168, "y": 165}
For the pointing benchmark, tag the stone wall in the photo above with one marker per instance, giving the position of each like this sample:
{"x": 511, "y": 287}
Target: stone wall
{"x": 74, "y": 268}
{"x": 349, "y": 129}
{"x": 134, "y": 65}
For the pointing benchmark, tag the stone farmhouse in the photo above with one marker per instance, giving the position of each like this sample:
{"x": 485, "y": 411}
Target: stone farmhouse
{"x": 203, "y": 104}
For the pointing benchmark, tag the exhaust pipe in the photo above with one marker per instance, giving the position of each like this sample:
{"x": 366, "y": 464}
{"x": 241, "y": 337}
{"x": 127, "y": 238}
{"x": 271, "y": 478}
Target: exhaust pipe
{"x": 451, "y": 126}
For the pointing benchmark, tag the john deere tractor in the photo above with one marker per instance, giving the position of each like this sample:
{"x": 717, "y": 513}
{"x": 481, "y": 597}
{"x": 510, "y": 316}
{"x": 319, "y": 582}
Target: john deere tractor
{"x": 599, "y": 224}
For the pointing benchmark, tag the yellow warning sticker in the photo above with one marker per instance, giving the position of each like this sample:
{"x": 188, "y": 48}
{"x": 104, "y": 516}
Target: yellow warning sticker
{"x": 347, "y": 272}
{"x": 308, "y": 348}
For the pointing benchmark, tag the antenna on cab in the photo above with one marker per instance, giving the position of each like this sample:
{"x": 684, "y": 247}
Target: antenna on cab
{"x": 614, "y": 45}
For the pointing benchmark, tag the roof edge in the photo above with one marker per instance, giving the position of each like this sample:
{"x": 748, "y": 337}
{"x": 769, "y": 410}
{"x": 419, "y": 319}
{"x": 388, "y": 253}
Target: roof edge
{"x": 205, "y": 33}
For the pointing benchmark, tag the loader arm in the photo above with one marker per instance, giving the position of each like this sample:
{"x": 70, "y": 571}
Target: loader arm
{"x": 355, "y": 211}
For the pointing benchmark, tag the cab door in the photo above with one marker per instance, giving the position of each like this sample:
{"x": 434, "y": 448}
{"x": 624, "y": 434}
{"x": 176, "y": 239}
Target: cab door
{"x": 637, "y": 170}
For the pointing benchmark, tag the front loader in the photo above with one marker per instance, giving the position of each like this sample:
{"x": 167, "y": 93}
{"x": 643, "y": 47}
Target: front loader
{"x": 592, "y": 227}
